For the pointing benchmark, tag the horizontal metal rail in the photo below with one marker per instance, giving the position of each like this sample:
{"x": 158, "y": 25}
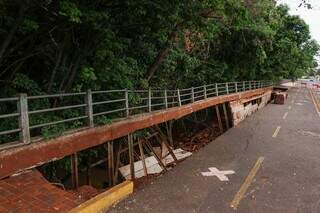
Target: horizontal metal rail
{"x": 56, "y": 109}
{"x": 9, "y": 115}
{"x": 7, "y": 132}
{"x": 58, "y": 122}
{"x": 114, "y": 103}
{"x": 55, "y": 95}
{"x": 108, "y": 102}
{"x": 9, "y": 99}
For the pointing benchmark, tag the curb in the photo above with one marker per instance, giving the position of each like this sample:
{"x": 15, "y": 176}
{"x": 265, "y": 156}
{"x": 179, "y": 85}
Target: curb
{"x": 106, "y": 199}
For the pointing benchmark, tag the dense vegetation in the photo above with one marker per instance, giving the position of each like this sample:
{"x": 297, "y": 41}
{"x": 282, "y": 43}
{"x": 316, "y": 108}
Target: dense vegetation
{"x": 55, "y": 46}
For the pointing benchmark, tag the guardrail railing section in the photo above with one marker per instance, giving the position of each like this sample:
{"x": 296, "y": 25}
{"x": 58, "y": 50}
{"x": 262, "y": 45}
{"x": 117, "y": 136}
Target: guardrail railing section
{"x": 25, "y": 117}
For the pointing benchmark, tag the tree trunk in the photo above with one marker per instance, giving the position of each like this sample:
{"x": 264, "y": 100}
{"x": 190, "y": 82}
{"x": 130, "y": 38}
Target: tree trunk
{"x": 73, "y": 73}
{"x": 161, "y": 56}
{"x": 12, "y": 31}
{"x": 54, "y": 71}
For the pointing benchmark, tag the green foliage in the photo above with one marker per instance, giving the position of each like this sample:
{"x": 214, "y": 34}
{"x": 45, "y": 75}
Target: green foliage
{"x": 24, "y": 83}
{"x": 102, "y": 120}
{"x": 53, "y": 131}
{"x": 59, "y": 46}
{"x": 70, "y": 10}
{"x": 29, "y": 25}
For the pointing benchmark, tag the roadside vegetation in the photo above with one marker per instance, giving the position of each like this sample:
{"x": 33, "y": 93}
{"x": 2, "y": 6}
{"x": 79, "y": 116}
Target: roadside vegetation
{"x": 61, "y": 46}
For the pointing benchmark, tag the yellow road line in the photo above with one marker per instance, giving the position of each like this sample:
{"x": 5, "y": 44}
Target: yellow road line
{"x": 285, "y": 115}
{"x": 244, "y": 187}
{"x": 275, "y": 134}
{"x": 316, "y": 105}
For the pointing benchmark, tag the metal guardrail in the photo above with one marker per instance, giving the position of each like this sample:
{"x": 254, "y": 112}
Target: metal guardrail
{"x": 114, "y": 103}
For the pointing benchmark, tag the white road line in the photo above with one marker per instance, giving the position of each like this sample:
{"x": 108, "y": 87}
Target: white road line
{"x": 285, "y": 115}
{"x": 276, "y": 132}
{"x": 289, "y": 107}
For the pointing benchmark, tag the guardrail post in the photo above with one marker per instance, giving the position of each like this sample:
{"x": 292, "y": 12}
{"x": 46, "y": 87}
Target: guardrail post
{"x": 192, "y": 94}
{"x": 236, "y": 86}
{"x": 166, "y": 98}
{"x": 250, "y": 85}
{"x": 89, "y": 108}
{"x": 149, "y": 100}
{"x": 227, "y": 88}
{"x": 217, "y": 89}
{"x": 23, "y": 118}
{"x": 205, "y": 91}
{"x": 179, "y": 98}
{"x": 244, "y": 86}
{"x": 127, "y": 102}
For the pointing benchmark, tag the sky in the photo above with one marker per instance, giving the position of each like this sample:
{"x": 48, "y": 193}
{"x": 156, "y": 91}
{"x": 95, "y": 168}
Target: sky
{"x": 311, "y": 16}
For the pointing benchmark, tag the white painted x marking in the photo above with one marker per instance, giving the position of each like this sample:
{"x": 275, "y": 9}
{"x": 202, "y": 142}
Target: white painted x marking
{"x": 222, "y": 175}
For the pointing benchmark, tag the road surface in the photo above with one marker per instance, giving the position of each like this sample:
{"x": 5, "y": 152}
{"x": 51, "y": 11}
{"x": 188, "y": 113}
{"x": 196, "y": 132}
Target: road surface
{"x": 275, "y": 154}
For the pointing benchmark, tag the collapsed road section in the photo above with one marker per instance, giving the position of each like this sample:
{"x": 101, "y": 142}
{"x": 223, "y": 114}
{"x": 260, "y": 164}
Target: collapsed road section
{"x": 139, "y": 146}
{"x": 267, "y": 163}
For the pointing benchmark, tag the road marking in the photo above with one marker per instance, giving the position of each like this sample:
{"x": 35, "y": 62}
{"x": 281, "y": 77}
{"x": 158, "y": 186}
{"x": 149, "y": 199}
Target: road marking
{"x": 275, "y": 134}
{"x": 285, "y": 115}
{"x": 315, "y": 103}
{"x": 221, "y": 175}
{"x": 289, "y": 107}
{"x": 244, "y": 187}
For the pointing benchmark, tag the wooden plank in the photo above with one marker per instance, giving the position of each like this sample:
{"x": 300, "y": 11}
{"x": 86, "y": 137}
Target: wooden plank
{"x": 116, "y": 172}
{"x": 155, "y": 155}
{"x": 131, "y": 158}
{"x": 110, "y": 163}
{"x": 226, "y": 115}
{"x": 74, "y": 170}
{"x": 219, "y": 118}
{"x": 142, "y": 158}
{"x": 164, "y": 139}
{"x": 170, "y": 151}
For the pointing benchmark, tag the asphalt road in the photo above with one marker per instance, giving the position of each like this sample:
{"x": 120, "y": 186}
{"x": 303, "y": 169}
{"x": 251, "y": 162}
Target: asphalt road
{"x": 288, "y": 179}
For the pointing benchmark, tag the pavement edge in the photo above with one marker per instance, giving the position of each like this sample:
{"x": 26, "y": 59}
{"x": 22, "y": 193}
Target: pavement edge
{"x": 106, "y": 199}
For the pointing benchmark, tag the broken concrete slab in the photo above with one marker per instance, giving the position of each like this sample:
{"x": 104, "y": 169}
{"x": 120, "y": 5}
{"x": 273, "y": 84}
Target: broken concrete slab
{"x": 152, "y": 164}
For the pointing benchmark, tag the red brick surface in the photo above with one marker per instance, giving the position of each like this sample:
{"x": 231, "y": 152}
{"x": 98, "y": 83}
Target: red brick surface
{"x": 31, "y": 192}
{"x": 85, "y": 192}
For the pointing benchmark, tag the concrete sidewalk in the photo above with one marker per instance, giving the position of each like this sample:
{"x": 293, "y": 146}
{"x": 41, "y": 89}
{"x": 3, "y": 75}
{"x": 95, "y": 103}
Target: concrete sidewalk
{"x": 286, "y": 136}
